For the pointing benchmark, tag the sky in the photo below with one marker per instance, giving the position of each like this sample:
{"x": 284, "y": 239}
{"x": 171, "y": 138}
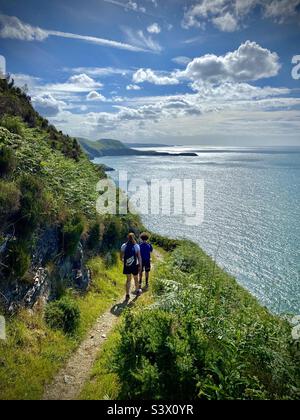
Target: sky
{"x": 184, "y": 72}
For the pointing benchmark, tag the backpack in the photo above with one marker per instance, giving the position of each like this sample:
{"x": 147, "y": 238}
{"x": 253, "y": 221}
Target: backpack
{"x": 130, "y": 258}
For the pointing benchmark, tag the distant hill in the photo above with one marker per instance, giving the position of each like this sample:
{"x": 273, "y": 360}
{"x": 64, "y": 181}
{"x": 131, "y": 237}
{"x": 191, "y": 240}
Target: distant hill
{"x": 109, "y": 147}
{"x": 105, "y": 147}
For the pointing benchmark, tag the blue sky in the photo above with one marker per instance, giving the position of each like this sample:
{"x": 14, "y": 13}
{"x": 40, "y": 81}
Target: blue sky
{"x": 169, "y": 71}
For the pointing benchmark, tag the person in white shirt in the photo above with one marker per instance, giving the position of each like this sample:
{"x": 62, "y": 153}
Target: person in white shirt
{"x": 131, "y": 257}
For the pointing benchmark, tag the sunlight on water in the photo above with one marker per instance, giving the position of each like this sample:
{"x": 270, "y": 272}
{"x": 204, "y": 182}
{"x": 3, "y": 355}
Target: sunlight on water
{"x": 251, "y": 224}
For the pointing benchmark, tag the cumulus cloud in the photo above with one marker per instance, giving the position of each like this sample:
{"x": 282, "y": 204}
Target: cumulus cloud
{"x": 75, "y": 84}
{"x": 154, "y": 28}
{"x": 226, "y": 23}
{"x": 95, "y": 96}
{"x": 13, "y": 28}
{"x": 249, "y": 62}
{"x": 133, "y": 87}
{"x": 229, "y": 15}
{"x": 47, "y": 105}
{"x": 148, "y": 75}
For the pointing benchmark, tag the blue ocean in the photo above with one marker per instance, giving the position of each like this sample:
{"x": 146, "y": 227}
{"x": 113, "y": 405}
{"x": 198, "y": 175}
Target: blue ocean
{"x": 251, "y": 213}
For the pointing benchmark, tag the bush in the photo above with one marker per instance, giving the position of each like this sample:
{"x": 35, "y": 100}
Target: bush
{"x": 9, "y": 201}
{"x": 186, "y": 258}
{"x": 7, "y": 161}
{"x": 165, "y": 243}
{"x": 31, "y": 206}
{"x": 12, "y": 124}
{"x": 63, "y": 314}
{"x": 17, "y": 260}
{"x": 71, "y": 234}
{"x": 112, "y": 233}
{"x": 94, "y": 236}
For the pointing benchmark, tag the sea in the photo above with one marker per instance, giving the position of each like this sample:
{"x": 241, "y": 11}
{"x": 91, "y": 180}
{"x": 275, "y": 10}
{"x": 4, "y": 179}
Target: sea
{"x": 251, "y": 223}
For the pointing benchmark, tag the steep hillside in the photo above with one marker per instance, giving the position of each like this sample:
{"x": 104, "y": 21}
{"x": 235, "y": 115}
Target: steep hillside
{"x": 48, "y": 220}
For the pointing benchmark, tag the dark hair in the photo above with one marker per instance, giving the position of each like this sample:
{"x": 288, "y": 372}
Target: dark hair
{"x": 145, "y": 236}
{"x": 131, "y": 238}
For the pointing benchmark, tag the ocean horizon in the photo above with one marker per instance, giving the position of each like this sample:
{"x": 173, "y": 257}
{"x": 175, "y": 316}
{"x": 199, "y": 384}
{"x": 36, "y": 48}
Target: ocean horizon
{"x": 251, "y": 224}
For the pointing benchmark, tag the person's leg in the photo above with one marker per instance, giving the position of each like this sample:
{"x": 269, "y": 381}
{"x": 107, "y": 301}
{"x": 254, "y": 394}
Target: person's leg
{"x": 137, "y": 283}
{"x": 147, "y": 278}
{"x": 128, "y": 285}
{"x": 141, "y": 278}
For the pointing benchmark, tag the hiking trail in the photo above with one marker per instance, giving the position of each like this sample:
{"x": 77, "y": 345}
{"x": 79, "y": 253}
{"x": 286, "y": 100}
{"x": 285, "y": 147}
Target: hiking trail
{"x": 69, "y": 382}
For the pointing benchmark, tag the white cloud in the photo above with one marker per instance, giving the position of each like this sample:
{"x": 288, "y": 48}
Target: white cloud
{"x": 280, "y": 10}
{"x": 140, "y": 40}
{"x": 181, "y": 60}
{"x": 95, "y": 96}
{"x": 128, "y": 6}
{"x": 228, "y": 15}
{"x": 133, "y": 87}
{"x": 80, "y": 83}
{"x": 154, "y": 28}
{"x": 47, "y": 105}
{"x": 226, "y": 23}
{"x": 100, "y": 71}
{"x": 13, "y": 28}
{"x": 249, "y": 62}
{"x": 148, "y": 75}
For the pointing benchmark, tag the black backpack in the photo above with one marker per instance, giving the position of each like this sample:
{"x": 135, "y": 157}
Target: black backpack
{"x": 130, "y": 255}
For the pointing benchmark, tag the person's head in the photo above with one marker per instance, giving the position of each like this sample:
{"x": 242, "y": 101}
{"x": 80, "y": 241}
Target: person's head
{"x": 145, "y": 237}
{"x": 131, "y": 238}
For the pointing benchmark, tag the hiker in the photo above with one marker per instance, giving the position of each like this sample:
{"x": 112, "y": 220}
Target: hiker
{"x": 131, "y": 256}
{"x": 146, "y": 251}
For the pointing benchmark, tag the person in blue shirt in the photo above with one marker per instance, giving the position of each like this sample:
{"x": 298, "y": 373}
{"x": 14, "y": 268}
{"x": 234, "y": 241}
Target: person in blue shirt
{"x": 131, "y": 257}
{"x": 146, "y": 250}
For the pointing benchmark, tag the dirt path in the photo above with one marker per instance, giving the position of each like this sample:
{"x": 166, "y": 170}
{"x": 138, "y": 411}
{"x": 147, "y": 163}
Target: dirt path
{"x": 70, "y": 380}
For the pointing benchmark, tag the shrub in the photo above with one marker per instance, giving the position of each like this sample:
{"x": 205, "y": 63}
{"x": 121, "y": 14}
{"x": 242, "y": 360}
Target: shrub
{"x": 71, "y": 234}
{"x": 9, "y": 201}
{"x": 12, "y": 124}
{"x": 94, "y": 236}
{"x": 7, "y": 161}
{"x": 31, "y": 206}
{"x": 112, "y": 233}
{"x": 165, "y": 243}
{"x": 63, "y": 314}
{"x": 17, "y": 260}
{"x": 186, "y": 258}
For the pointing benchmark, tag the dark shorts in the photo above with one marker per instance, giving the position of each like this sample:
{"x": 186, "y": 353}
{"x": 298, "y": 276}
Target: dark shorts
{"x": 133, "y": 269}
{"x": 146, "y": 266}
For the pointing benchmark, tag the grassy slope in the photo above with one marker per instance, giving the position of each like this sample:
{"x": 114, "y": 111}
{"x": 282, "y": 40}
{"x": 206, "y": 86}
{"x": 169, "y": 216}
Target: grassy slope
{"x": 71, "y": 184}
{"x": 205, "y": 337}
{"x": 34, "y": 353}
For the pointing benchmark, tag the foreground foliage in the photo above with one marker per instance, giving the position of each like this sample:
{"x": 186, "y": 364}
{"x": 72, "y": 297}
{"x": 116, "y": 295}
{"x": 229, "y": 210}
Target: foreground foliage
{"x": 205, "y": 338}
{"x": 34, "y": 352}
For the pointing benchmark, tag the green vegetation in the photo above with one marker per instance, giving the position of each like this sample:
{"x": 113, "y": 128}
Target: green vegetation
{"x": 204, "y": 338}
{"x": 47, "y": 181}
{"x": 34, "y": 352}
{"x": 63, "y": 314}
